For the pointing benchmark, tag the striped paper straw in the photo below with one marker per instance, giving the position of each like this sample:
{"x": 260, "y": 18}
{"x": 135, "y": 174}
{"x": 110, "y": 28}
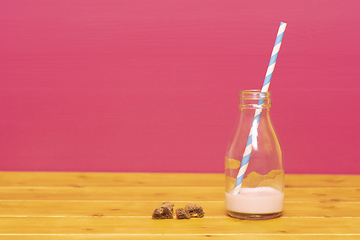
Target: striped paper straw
{"x": 255, "y": 124}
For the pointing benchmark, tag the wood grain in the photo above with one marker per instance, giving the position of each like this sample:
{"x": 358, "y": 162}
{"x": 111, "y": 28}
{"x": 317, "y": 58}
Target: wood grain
{"x": 118, "y": 209}
{"x": 74, "y": 179}
{"x": 204, "y": 226}
{"x": 181, "y": 236}
{"x": 68, "y": 179}
{"x": 113, "y": 206}
{"x": 167, "y": 193}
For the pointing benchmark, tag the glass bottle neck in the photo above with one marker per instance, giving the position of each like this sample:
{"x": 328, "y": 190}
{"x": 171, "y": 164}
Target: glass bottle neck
{"x": 255, "y": 99}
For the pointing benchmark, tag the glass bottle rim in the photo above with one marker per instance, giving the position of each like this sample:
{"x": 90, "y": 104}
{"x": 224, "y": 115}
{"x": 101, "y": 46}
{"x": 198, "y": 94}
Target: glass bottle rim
{"x": 254, "y": 94}
{"x": 254, "y": 99}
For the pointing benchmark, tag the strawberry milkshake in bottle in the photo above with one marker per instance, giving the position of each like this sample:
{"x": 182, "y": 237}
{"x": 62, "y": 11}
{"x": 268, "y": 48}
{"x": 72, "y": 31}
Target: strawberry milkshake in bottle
{"x": 255, "y": 191}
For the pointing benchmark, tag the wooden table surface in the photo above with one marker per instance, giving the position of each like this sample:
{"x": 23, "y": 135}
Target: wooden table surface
{"x": 108, "y": 206}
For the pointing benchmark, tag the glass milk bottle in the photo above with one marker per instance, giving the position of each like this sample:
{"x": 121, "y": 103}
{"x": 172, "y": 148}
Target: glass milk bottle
{"x": 256, "y": 191}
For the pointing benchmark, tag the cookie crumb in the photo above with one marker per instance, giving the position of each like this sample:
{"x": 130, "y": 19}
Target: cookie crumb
{"x": 164, "y": 211}
{"x": 181, "y": 213}
{"x": 195, "y": 210}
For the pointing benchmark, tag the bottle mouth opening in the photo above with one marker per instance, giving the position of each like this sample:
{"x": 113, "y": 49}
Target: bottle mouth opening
{"x": 254, "y": 94}
{"x": 254, "y": 99}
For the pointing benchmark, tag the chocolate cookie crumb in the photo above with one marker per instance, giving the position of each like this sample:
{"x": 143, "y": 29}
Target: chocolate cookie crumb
{"x": 195, "y": 210}
{"x": 164, "y": 211}
{"x": 181, "y": 213}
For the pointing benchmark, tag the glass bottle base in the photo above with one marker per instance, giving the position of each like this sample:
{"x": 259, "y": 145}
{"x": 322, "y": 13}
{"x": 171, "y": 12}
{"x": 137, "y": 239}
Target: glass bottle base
{"x": 253, "y": 216}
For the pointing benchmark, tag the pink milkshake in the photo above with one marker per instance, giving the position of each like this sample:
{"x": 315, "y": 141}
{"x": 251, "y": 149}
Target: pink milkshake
{"x": 257, "y": 202}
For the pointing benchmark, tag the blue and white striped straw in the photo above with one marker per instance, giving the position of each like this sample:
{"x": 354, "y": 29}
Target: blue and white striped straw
{"x": 255, "y": 124}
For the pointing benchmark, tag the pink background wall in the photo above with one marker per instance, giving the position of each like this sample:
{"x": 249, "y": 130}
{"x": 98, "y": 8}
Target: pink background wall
{"x": 100, "y": 85}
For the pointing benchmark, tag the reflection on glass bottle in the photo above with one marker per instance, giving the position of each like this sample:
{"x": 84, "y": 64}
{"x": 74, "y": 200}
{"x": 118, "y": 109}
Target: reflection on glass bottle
{"x": 261, "y": 195}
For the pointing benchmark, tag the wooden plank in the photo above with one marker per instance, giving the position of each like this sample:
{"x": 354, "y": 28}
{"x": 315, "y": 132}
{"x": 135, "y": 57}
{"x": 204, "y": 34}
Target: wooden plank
{"x": 167, "y": 194}
{"x": 97, "y": 207}
{"x": 181, "y": 237}
{"x": 74, "y": 179}
{"x": 312, "y": 180}
{"x": 113, "y": 193}
{"x": 322, "y": 209}
{"x": 204, "y": 226}
{"x": 51, "y": 208}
